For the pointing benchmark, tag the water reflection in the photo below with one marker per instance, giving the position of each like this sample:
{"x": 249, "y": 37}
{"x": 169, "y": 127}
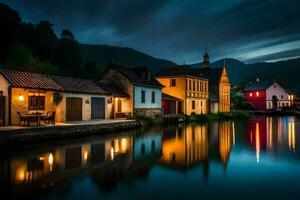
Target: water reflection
{"x": 131, "y": 155}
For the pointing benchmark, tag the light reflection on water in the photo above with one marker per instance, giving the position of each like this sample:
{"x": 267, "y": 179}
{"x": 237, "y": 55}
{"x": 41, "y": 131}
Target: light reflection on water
{"x": 257, "y": 158}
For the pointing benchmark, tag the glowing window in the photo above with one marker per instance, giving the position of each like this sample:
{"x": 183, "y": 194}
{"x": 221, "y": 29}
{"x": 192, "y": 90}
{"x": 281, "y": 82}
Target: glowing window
{"x": 250, "y": 94}
{"x": 257, "y": 94}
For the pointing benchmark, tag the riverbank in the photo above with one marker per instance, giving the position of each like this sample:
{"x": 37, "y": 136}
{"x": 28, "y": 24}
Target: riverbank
{"x": 233, "y": 115}
{"x": 33, "y": 134}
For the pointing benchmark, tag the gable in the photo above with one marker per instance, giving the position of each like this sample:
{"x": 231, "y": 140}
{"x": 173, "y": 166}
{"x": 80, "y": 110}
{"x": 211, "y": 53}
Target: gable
{"x": 224, "y": 76}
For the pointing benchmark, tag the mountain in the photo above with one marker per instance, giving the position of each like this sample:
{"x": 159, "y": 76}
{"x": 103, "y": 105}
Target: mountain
{"x": 286, "y": 72}
{"x": 104, "y": 54}
{"x": 234, "y": 68}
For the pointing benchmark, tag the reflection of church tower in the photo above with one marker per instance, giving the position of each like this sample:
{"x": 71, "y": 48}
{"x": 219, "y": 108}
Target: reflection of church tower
{"x": 206, "y": 63}
{"x": 224, "y": 142}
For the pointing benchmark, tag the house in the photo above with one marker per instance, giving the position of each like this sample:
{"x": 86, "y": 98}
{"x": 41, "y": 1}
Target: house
{"x": 169, "y": 104}
{"x": 72, "y": 99}
{"x": 265, "y": 95}
{"x": 190, "y": 87}
{"x": 219, "y": 85}
{"x": 144, "y": 92}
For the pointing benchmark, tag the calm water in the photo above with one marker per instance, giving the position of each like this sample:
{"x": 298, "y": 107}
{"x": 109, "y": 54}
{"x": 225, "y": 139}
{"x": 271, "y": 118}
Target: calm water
{"x": 226, "y": 160}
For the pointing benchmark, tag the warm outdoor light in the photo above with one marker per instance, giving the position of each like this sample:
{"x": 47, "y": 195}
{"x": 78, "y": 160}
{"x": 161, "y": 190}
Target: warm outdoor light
{"x": 250, "y": 94}
{"x": 257, "y": 94}
{"x": 50, "y": 161}
{"x": 21, "y": 97}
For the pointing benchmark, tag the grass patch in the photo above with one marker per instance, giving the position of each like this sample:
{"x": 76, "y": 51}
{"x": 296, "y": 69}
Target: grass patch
{"x": 233, "y": 115}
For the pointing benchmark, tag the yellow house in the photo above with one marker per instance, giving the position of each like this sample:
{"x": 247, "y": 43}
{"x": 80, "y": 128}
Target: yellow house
{"x": 65, "y": 98}
{"x": 190, "y": 87}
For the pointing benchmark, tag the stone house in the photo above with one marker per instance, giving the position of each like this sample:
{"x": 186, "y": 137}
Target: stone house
{"x": 80, "y": 99}
{"x": 144, "y": 92}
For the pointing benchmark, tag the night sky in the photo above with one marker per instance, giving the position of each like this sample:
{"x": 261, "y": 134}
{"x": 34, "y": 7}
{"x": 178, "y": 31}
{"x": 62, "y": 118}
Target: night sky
{"x": 178, "y": 30}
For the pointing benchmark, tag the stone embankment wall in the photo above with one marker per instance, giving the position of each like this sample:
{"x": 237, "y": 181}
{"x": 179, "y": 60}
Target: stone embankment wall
{"x": 60, "y": 132}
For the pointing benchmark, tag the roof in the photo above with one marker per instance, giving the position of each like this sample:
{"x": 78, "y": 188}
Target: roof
{"x": 182, "y": 70}
{"x": 213, "y": 74}
{"x": 30, "y": 80}
{"x": 113, "y": 89}
{"x": 169, "y": 97}
{"x": 48, "y": 82}
{"x": 132, "y": 74}
{"x": 259, "y": 85}
{"x": 79, "y": 85}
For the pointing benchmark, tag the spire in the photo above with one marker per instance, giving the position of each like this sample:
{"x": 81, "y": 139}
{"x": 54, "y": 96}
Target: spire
{"x": 206, "y": 63}
{"x": 225, "y": 65}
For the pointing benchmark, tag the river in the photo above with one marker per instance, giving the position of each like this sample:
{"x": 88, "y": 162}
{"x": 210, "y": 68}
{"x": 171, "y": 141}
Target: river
{"x": 251, "y": 159}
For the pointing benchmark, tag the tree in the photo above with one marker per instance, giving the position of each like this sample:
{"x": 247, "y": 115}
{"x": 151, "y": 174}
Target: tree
{"x": 68, "y": 56}
{"x": 9, "y": 22}
{"x": 19, "y": 57}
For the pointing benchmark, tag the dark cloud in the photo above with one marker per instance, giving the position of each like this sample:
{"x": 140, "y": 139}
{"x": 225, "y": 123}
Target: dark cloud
{"x": 250, "y": 30}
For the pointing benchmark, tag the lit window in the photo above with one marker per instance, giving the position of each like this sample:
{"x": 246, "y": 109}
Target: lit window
{"x": 250, "y": 94}
{"x": 257, "y": 94}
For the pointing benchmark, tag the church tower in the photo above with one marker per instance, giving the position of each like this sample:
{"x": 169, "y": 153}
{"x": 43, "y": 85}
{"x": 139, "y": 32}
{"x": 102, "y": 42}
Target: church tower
{"x": 206, "y": 63}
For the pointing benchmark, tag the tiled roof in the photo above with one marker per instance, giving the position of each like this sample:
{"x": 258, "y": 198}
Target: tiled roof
{"x": 79, "y": 85}
{"x": 30, "y": 80}
{"x": 132, "y": 75}
{"x": 214, "y": 74}
{"x": 259, "y": 85}
{"x": 113, "y": 89}
{"x": 183, "y": 70}
{"x": 48, "y": 82}
{"x": 169, "y": 97}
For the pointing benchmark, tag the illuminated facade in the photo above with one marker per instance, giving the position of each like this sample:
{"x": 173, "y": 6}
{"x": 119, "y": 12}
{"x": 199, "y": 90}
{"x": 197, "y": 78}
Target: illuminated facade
{"x": 190, "y": 88}
{"x": 186, "y": 148}
{"x": 265, "y": 95}
{"x": 219, "y": 86}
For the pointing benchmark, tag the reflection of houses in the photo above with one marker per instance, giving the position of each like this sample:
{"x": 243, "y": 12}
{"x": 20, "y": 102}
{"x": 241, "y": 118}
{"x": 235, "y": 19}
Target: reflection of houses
{"x": 107, "y": 161}
{"x": 263, "y": 95}
{"x": 272, "y": 134}
{"x": 146, "y": 146}
{"x": 144, "y": 92}
{"x": 187, "y": 147}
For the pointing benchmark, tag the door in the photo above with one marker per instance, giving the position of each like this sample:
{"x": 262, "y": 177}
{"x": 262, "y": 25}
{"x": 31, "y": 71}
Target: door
{"x": 173, "y": 107}
{"x": 2, "y": 111}
{"x": 179, "y": 107}
{"x": 119, "y": 105}
{"x": 73, "y": 109}
{"x": 98, "y": 108}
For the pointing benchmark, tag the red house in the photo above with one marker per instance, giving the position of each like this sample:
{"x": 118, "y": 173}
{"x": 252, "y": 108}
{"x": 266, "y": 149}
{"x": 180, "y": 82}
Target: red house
{"x": 264, "y": 95}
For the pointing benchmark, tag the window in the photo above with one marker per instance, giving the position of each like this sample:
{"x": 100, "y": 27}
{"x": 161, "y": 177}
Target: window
{"x": 190, "y": 85}
{"x": 193, "y": 105}
{"x": 36, "y": 102}
{"x": 281, "y": 96}
{"x": 194, "y": 85}
{"x": 257, "y": 94}
{"x": 173, "y": 82}
{"x": 250, "y": 94}
{"x": 143, "y": 96}
{"x": 153, "y": 97}
{"x": 205, "y": 87}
